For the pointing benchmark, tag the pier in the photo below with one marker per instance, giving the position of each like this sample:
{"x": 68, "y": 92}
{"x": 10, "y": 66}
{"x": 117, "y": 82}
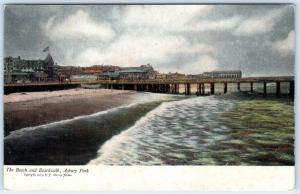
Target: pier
{"x": 168, "y": 86}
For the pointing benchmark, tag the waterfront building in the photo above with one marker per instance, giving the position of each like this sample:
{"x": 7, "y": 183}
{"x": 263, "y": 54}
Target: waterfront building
{"x": 222, "y": 74}
{"x": 109, "y": 75}
{"x": 21, "y": 70}
{"x": 141, "y": 72}
{"x": 68, "y": 71}
{"x": 75, "y": 72}
{"x": 98, "y": 69}
{"x": 161, "y": 76}
{"x": 196, "y": 76}
{"x": 176, "y": 75}
{"x": 83, "y": 77}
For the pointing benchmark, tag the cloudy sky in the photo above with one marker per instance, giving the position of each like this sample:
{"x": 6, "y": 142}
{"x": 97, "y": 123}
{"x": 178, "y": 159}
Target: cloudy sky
{"x": 258, "y": 39}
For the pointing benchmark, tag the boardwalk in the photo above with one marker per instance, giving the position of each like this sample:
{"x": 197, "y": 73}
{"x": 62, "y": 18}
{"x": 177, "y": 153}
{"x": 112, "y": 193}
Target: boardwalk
{"x": 164, "y": 85}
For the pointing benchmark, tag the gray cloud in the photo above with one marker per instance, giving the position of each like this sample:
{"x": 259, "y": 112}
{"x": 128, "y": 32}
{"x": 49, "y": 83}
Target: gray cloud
{"x": 258, "y": 39}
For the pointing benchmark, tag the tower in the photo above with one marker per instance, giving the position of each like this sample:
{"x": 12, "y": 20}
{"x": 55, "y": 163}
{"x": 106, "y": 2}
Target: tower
{"x": 49, "y": 66}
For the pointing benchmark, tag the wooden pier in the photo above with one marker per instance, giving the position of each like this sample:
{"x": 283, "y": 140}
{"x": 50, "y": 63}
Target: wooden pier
{"x": 170, "y": 86}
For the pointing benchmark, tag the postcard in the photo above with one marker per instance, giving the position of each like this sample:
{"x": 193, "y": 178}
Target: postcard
{"x": 149, "y": 97}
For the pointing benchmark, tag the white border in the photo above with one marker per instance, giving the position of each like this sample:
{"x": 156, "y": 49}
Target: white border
{"x": 200, "y": 170}
{"x": 156, "y": 178}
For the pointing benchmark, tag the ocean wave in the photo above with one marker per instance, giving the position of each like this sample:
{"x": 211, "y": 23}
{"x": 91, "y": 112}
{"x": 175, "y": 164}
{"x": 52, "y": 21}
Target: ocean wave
{"x": 72, "y": 141}
{"x": 143, "y": 99}
{"x": 170, "y": 124}
{"x": 211, "y": 130}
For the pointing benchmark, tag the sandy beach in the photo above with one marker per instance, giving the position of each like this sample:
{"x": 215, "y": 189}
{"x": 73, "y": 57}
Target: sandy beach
{"x": 37, "y": 108}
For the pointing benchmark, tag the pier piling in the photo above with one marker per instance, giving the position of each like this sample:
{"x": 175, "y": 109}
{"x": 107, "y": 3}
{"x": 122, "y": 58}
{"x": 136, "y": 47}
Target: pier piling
{"x": 189, "y": 89}
{"x": 212, "y": 88}
{"x": 203, "y": 89}
{"x": 292, "y": 89}
{"x": 251, "y": 87}
{"x": 225, "y": 87}
{"x": 278, "y": 89}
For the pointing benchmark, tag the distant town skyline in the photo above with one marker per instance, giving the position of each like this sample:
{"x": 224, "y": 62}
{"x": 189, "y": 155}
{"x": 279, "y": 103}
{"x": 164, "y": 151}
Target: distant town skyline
{"x": 190, "y": 39}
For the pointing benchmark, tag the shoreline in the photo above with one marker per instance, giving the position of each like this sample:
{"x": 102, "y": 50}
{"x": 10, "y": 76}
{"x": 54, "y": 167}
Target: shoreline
{"x": 78, "y": 141}
{"x": 71, "y": 142}
{"x": 33, "y": 109}
{"x": 37, "y": 108}
{"x": 74, "y": 141}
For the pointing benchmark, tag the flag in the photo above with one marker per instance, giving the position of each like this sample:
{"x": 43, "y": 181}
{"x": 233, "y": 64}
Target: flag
{"x": 46, "y": 49}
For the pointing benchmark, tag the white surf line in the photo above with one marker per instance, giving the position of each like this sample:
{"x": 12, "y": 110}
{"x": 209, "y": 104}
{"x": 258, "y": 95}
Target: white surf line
{"x": 75, "y": 118}
{"x": 108, "y": 146}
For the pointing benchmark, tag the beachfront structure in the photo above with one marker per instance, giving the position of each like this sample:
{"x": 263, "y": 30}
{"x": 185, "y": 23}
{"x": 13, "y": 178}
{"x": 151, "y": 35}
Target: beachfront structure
{"x": 161, "y": 76}
{"x": 223, "y": 74}
{"x": 83, "y": 77}
{"x": 17, "y": 69}
{"x": 141, "y": 72}
{"x": 170, "y": 75}
{"x": 175, "y": 75}
{"x": 194, "y": 76}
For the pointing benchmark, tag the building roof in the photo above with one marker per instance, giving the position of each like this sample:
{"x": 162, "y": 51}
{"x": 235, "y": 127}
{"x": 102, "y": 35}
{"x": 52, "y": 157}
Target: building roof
{"x": 127, "y": 70}
{"x": 133, "y": 70}
{"x": 140, "y": 69}
{"x": 110, "y": 74}
{"x": 49, "y": 60}
{"x": 230, "y": 71}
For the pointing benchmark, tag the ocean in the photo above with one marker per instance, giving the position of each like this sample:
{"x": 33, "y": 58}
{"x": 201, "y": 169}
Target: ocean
{"x": 162, "y": 129}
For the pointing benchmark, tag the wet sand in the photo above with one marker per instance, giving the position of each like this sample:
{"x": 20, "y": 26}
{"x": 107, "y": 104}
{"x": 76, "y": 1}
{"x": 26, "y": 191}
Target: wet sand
{"x": 37, "y": 108}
